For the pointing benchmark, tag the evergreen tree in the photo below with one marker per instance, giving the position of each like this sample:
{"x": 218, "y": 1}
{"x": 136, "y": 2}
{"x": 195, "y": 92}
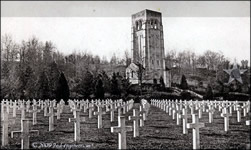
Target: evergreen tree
{"x": 62, "y": 90}
{"x": 47, "y": 58}
{"x": 183, "y": 84}
{"x": 155, "y": 84}
{"x": 114, "y": 85}
{"x": 99, "y": 88}
{"x": 9, "y": 85}
{"x": 27, "y": 74}
{"x": 85, "y": 87}
{"x": 155, "y": 81}
{"x": 21, "y": 82}
{"x": 27, "y": 83}
{"x": 53, "y": 76}
{"x": 106, "y": 82}
{"x": 125, "y": 86}
{"x": 120, "y": 83}
{"x": 43, "y": 90}
{"x": 162, "y": 83}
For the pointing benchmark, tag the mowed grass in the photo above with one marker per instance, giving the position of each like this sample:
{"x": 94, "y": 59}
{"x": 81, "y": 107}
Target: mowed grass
{"x": 160, "y": 131}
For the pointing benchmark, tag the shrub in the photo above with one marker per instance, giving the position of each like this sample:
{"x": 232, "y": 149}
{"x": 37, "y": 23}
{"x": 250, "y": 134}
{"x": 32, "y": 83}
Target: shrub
{"x": 235, "y": 96}
{"x": 185, "y": 95}
{"x": 183, "y": 84}
{"x": 209, "y": 93}
{"x": 164, "y": 95}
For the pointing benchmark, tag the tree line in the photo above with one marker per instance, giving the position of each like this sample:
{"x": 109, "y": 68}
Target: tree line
{"x": 34, "y": 69}
{"x": 188, "y": 60}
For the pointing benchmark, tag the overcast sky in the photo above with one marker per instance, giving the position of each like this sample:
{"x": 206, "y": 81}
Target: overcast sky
{"x": 104, "y": 28}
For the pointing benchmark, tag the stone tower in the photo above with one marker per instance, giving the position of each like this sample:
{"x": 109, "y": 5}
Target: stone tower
{"x": 148, "y": 44}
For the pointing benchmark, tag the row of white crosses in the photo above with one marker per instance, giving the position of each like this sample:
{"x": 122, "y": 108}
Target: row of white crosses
{"x": 25, "y": 107}
{"x": 77, "y": 120}
{"x": 51, "y": 105}
{"x": 201, "y": 107}
{"x": 138, "y": 118}
{"x": 76, "y": 107}
{"x": 44, "y": 105}
{"x": 108, "y": 104}
{"x": 174, "y": 108}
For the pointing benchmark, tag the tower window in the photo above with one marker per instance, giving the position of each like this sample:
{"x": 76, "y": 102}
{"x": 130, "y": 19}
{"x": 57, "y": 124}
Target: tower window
{"x": 155, "y": 24}
{"x": 152, "y": 62}
{"x": 140, "y": 25}
{"x": 132, "y": 74}
{"x": 158, "y": 62}
{"x": 151, "y": 24}
{"x": 137, "y": 25}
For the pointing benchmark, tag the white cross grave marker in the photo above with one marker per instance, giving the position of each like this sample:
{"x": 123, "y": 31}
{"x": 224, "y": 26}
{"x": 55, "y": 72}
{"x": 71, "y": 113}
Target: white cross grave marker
{"x": 99, "y": 113}
{"x": 184, "y": 117}
{"x": 146, "y": 106}
{"x": 77, "y": 119}
{"x": 141, "y": 113}
{"x": 45, "y": 106}
{"x": 248, "y": 122}
{"x": 174, "y": 113}
{"x": 5, "y": 124}
{"x": 178, "y": 116}
{"x": 119, "y": 107}
{"x": 121, "y": 129}
{"x": 58, "y": 111}
{"x": 62, "y": 103}
{"x": 112, "y": 109}
{"x": 167, "y": 108}
{"x": 28, "y": 105}
{"x": 230, "y": 108}
{"x": 244, "y": 107}
{"x": 3, "y": 105}
{"x": 226, "y": 116}
{"x": 124, "y": 107}
{"x": 25, "y": 133}
{"x": 34, "y": 113}
{"x": 200, "y": 111}
{"x": 135, "y": 119}
{"x": 238, "y": 108}
{"x": 170, "y": 110}
{"x": 127, "y": 106}
{"x": 22, "y": 108}
{"x": 51, "y": 118}
{"x": 192, "y": 108}
{"x": 14, "y": 109}
{"x": 195, "y": 125}
{"x": 210, "y": 111}
{"x": 91, "y": 107}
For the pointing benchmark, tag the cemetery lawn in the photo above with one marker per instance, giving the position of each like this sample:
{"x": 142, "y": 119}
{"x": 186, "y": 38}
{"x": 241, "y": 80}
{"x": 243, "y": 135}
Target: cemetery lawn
{"x": 160, "y": 132}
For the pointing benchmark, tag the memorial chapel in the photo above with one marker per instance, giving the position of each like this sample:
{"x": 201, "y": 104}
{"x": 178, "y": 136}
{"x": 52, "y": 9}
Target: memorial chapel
{"x": 148, "y": 49}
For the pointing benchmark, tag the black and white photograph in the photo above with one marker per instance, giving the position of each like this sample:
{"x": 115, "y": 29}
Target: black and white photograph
{"x": 125, "y": 75}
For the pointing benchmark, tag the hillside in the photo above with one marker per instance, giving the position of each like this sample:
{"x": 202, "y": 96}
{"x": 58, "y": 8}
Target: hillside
{"x": 200, "y": 78}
